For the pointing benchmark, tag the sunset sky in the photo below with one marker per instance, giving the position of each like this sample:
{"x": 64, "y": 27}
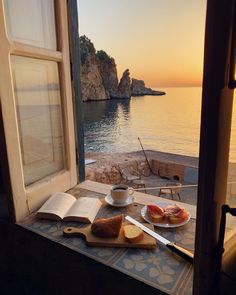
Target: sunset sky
{"x": 160, "y": 41}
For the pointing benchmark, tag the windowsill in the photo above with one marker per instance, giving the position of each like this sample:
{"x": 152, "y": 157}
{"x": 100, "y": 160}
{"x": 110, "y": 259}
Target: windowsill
{"x": 140, "y": 198}
{"x": 158, "y": 268}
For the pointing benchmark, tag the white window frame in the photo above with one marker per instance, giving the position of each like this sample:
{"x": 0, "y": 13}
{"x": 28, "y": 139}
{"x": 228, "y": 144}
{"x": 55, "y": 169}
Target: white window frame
{"x": 28, "y": 199}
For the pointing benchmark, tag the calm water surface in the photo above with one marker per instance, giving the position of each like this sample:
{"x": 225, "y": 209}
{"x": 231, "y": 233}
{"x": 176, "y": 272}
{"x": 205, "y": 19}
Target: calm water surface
{"x": 169, "y": 123}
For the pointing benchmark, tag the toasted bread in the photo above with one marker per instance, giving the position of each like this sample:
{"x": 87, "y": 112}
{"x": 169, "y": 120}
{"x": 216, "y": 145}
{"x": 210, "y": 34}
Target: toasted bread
{"x": 175, "y": 220}
{"x": 133, "y": 233}
{"x": 155, "y": 213}
{"x": 176, "y": 214}
{"x": 156, "y": 218}
{"x": 107, "y": 227}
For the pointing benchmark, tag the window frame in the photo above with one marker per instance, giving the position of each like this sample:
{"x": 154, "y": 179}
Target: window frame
{"x": 217, "y": 102}
{"x": 27, "y": 199}
{"x": 212, "y": 183}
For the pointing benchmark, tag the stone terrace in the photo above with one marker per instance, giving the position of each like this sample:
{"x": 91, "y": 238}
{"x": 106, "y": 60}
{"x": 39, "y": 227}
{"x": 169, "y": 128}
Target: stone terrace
{"x": 108, "y": 169}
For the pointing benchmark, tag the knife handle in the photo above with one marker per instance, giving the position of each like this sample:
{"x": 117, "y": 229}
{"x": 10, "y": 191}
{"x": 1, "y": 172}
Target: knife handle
{"x": 184, "y": 253}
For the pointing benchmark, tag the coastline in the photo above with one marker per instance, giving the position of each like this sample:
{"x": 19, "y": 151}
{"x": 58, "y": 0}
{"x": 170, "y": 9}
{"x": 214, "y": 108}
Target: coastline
{"x": 154, "y": 93}
{"x": 160, "y": 93}
{"x": 108, "y": 166}
{"x": 174, "y": 167}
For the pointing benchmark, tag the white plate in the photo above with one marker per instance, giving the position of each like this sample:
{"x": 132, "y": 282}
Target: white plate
{"x": 110, "y": 201}
{"x": 162, "y": 224}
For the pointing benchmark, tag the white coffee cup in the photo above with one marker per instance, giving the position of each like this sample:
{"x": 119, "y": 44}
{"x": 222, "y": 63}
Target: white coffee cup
{"x": 120, "y": 193}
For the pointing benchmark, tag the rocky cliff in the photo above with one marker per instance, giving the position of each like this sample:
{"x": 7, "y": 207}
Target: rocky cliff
{"x": 108, "y": 72}
{"x": 99, "y": 78}
{"x": 91, "y": 80}
{"x": 138, "y": 88}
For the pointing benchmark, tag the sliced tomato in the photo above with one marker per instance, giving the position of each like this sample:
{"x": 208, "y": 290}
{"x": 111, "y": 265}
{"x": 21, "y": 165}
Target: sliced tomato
{"x": 176, "y": 211}
{"x": 183, "y": 214}
{"x": 154, "y": 209}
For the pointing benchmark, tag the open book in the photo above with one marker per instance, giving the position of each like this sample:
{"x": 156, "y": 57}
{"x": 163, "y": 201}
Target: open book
{"x": 63, "y": 206}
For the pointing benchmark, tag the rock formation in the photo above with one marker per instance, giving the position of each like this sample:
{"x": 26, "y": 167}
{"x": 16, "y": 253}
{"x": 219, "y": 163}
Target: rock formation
{"x": 108, "y": 72}
{"x": 99, "y": 78}
{"x": 124, "y": 88}
{"x": 91, "y": 80}
{"x": 138, "y": 88}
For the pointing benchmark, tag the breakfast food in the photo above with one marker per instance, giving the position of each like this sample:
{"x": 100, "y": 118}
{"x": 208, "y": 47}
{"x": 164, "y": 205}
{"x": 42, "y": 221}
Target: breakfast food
{"x": 176, "y": 214}
{"x": 173, "y": 214}
{"x": 155, "y": 213}
{"x": 107, "y": 227}
{"x": 133, "y": 233}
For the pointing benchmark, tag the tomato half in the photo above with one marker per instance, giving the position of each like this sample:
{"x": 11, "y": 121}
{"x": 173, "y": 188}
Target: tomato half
{"x": 154, "y": 209}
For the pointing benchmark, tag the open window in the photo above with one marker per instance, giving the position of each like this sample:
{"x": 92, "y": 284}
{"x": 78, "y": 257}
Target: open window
{"x": 36, "y": 105}
{"x": 36, "y": 100}
{"x": 218, "y": 92}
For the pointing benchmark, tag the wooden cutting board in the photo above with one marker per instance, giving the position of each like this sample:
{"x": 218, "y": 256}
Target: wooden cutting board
{"x": 147, "y": 242}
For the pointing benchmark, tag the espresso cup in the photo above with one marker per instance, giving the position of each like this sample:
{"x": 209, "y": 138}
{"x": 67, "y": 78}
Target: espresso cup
{"x": 120, "y": 193}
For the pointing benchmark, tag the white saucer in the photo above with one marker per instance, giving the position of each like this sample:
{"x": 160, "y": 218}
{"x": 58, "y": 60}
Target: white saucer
{"x": 110, "y": 201}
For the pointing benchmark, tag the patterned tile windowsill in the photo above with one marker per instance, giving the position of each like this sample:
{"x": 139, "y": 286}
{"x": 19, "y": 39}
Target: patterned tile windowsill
{"x": 159, "y": 268}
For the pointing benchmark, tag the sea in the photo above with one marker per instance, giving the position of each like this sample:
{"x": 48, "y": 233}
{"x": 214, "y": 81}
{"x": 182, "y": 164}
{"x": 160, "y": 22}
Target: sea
{"x": 168, "y": 123}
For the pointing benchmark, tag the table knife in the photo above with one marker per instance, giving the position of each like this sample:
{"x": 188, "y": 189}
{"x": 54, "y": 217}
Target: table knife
{"x": 184, "y": 253}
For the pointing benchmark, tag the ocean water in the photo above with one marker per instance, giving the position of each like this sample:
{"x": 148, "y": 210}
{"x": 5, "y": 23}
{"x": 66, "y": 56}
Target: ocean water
{"x": 169, "y": 123}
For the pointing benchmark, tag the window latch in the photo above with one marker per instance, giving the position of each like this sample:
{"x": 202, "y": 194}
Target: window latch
{"x": 224, "y": 210}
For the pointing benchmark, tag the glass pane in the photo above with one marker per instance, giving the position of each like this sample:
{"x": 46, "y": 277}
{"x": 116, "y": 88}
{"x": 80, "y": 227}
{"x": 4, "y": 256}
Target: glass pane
{"x": 38, "y": 106}
{"x": 31, "y": 22}
{"x": 231, "y": 183}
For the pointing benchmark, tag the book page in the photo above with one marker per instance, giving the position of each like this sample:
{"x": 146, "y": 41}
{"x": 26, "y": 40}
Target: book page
{"x": 59, "y": 203}
{"x": 85, "y": 207}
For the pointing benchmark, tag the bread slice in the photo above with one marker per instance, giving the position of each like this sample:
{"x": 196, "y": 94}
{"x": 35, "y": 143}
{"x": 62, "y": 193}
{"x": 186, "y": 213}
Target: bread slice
{"x": 176, "y": 214}
{"x": 155, "y": 213}
{"x": 133, "y": 233}
{"x": 175, "y": 220}
{"x": 156, "y": 218}
{"x": 107, "y": 227}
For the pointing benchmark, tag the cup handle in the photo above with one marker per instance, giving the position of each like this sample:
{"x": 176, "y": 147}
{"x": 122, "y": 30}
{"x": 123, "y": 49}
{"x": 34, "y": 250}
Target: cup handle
{"x": 131, "y": 190}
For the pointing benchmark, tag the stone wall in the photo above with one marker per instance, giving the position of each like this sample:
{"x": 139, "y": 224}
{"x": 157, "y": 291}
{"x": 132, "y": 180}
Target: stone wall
{"x": 168, "y": 170}
{"x": 109, "y": 168}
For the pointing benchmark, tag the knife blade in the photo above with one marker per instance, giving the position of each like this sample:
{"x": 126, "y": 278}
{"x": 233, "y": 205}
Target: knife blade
{"x": 184, "y": 253}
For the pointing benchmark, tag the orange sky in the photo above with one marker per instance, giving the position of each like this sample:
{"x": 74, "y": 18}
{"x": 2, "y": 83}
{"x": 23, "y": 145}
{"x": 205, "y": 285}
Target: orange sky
{"x": 160, "y": 41}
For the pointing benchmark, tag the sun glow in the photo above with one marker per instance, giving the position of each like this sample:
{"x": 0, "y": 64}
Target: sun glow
{"x": 160, "y": 41}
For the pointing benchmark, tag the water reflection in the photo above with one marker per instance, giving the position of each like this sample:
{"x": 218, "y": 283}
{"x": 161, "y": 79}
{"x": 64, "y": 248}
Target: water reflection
{"x": 169, "y": 123}
{"x": 108, "y": 109}
{"x": 104, "y": 122}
